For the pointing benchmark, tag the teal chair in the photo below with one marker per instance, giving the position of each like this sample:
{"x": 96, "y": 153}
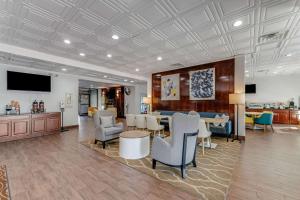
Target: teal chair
{"x": 266, "y": 119}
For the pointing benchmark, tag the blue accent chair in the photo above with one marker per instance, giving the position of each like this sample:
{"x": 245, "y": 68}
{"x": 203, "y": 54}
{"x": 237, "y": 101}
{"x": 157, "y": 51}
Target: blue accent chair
{"x": 216, "y": 130}
{"x": 265, "y": 119}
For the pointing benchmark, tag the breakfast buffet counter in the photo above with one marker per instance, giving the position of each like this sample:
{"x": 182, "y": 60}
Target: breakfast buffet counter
{"x": 281, "y": 116}
{"x": 27, "y": 125}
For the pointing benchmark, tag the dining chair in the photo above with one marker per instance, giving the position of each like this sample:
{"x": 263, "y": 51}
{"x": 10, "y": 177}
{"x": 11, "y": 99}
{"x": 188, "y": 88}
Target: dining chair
{"x": 130, "y": 121}
{"x": 265, "y": 119}
{"x": 204, "y": 134}
{"x": 140, "y": 122}
{"x": 152, "y": 125}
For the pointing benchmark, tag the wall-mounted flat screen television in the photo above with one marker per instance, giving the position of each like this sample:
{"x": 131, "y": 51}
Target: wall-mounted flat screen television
{"x": 28, "y": 82}
{"x": 250, "y": 89}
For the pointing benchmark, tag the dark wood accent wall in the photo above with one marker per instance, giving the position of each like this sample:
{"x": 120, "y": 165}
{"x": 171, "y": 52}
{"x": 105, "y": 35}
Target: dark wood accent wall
{"x": 224, "y": 71}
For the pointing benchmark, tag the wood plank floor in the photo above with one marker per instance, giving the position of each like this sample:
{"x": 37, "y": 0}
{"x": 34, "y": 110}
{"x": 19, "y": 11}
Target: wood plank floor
{"x": 269, "y": 167}
{"x": 58, "y": 167}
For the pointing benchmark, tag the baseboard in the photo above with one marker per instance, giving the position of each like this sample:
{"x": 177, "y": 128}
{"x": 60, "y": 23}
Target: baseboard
{"x": 71, "y": 126}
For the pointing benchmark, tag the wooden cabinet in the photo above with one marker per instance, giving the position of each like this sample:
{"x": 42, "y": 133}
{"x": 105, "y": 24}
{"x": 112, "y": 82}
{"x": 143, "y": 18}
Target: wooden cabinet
{"x": 281, "y": 116}
{"x": 294, "y": 117}
{"x": 20, "y": 127}
{"x": 38, "y": 125}
{"x": 53, "y": 123}
{"x": 5, "y": 128}
{"x": 14, "y": 127}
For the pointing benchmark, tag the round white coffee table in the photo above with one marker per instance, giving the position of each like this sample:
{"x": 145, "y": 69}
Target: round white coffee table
{"x": 134, "y": 144}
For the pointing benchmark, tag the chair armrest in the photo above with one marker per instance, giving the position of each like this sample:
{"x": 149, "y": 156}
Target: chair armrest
{"x": 100, "y": 133}
{"x": 120, "y": 124}
{"x": 228, "y": 127}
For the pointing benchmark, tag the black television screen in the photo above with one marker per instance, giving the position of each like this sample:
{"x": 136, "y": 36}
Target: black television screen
{"x": 250, "y": 89}
{"x": 28, "y": 82}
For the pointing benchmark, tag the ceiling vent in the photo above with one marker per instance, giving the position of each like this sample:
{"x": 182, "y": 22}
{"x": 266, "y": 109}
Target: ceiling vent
{"x": 272, "y": 37}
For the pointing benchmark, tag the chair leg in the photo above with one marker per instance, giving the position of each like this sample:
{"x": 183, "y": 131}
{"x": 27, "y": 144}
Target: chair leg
{"x": 103, "y": 144}
{"x": 272, "y": 128}
{"x": 203, "y": 144}
{"x": 95, "y": 141}
{"x": 194, "y": 163}
{"x": 209, "y": 142}
{"x": 153, "y": 163}
{"x": 182, "y": 171}
{"x": 264, "y": 128}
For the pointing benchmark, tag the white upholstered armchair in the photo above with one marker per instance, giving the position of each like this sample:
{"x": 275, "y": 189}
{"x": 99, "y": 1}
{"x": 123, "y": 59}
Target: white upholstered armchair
{"x": 106, "y": 127}
{"x": 178, "y": 150}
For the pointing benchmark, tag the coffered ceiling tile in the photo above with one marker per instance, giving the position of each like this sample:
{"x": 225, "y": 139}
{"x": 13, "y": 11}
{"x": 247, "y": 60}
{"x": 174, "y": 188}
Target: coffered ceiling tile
{"x": 103, "y": 9}
{"x": 207, "y": 32}
{"x": 280, "y": 8}
{"x": 240, "y": 35}
{"x": 232, "y": 6}
{"x": 152, "y": 13}
{"x": 181, "y": 6}
{"x": 275, "y": 26}
{"x": 197, "y": 16}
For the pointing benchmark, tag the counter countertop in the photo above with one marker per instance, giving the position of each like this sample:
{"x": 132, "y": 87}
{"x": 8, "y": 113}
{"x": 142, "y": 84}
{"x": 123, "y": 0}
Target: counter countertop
{"x": 23, "y": 114}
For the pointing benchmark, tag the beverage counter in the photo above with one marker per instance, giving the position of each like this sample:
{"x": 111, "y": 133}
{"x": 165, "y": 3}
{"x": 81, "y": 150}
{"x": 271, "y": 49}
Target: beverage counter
{"x": 281, "y": 116}
{"x": 27, "y": 125}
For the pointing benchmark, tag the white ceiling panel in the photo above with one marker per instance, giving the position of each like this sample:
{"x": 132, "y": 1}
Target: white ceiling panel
{"x": 186, "y": 32}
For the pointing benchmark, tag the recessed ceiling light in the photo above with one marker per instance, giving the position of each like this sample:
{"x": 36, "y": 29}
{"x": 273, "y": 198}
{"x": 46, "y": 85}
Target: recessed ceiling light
{"x": 159, "y": 58}
{"x": 109, "y": 55}
{"x": 237, "y": 23}
{"x": 131, "y": 81}
{"x": 275, "y": 72}
{"x": 247, "y": 71}
{"x": 137, "y": 69}
{"x": 64, "y": 69}
{"x": 288, "y": 55}
{"x": 125, "y": 80}
{"x": 115, "y": 37}
{"x": 66, "y": 41}
{"x": 105, "y": 76}
{"x": 82, "y": 54}
{"x": 279, "y": 67}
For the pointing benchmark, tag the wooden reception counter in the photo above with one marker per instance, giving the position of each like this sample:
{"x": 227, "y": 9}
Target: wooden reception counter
{"x": 15, "y": 127}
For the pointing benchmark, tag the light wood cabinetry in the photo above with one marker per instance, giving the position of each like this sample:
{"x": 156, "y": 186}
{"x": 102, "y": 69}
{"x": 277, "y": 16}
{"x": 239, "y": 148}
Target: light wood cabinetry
{"x": 14, "y": 127}
{"x": 53, "y": 123}
{"x": 5, "y": 129}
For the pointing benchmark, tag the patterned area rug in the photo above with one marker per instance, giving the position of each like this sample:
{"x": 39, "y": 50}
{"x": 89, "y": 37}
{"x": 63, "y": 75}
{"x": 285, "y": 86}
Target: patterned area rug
{"x": 4, "y": 192}
{"x": 209, "y": 180}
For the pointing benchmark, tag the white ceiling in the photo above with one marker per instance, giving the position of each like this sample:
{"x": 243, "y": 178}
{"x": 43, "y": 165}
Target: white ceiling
{"x": 188, "y": 32}
{"x": 55, "y": 68}
{"x": 95, "y": 84}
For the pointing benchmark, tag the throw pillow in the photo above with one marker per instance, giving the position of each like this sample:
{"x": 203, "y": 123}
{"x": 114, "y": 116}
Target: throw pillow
{"x": 217, "y": 123}
{"x": 106, "y": 121}
{"x": 226, "y": 118}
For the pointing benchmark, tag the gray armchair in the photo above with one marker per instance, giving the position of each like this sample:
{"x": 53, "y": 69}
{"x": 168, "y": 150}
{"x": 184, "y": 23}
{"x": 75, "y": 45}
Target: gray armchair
{"x": 179, "y": 150}
{"x": 105, "y": 134}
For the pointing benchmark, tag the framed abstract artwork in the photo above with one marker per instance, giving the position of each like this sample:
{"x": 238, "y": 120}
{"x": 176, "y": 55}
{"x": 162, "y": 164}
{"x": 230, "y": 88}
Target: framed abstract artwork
{"x": 202, "y": 84}
{"x": 170, "y": 88}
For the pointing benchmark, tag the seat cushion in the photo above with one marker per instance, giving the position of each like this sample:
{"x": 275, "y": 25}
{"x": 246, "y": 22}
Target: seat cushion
{"x": 113, "y": 130}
